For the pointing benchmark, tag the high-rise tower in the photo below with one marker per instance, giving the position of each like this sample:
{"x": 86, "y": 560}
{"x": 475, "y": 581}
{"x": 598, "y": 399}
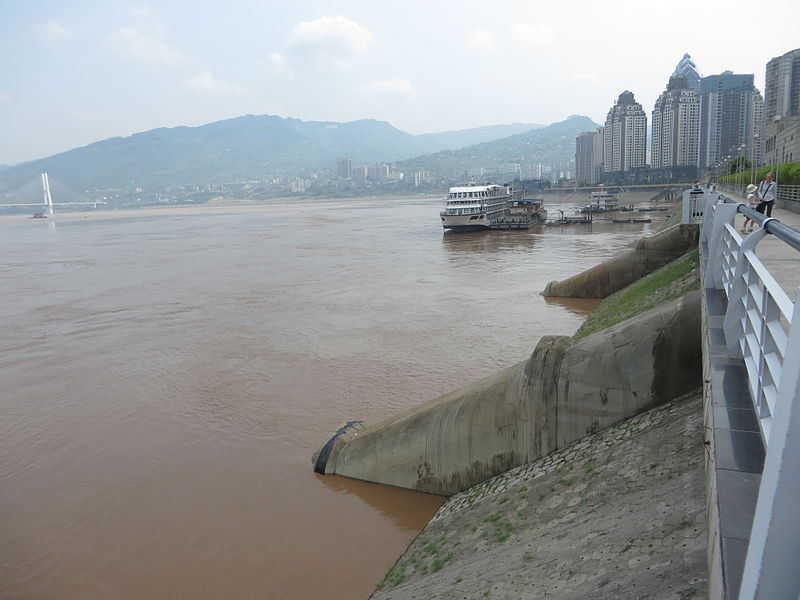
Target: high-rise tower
{"x": 782, "y": 89}
{"x": 676, "y": 126}
{"x": 727, "y": 111}
{"x": 781, "y": 130}
{"x": 625, "y": 136}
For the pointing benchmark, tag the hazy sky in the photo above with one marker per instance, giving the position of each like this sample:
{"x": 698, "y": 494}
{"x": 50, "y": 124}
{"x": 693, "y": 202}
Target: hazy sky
{"x": 74, "y": 72}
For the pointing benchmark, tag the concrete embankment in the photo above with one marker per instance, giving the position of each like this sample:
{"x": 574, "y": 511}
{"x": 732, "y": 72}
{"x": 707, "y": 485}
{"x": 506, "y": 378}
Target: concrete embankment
{"x": 619, "y": 514}
{"x": 565, "y": 391}
{"x": 646, "y": 256}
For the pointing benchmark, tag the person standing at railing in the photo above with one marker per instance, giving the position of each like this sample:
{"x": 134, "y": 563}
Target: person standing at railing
{"x": 766, "y": 195}
{"x": 752, "y": 202}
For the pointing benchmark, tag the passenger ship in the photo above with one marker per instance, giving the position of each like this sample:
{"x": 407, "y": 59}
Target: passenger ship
{"x": 475, "y": 207}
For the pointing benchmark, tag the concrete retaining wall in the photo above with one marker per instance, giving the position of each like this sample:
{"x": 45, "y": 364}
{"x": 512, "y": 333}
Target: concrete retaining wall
{"x": 628, "y": 266}
{"x": 565, "y": 391}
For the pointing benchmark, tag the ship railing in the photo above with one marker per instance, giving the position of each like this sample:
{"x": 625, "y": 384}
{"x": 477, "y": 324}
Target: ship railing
{"x": 762, "y": 328}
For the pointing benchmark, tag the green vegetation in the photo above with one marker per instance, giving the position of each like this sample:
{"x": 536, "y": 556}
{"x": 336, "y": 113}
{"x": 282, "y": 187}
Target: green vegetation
{"x": 740, "y": 173}
{"x": 529, "y": 557}
{"x": 673, "y": 219}
{"x": 667, "y": 283}
{"x": 395, "y": 576}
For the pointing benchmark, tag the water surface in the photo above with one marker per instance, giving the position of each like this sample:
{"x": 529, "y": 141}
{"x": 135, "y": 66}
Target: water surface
{"x": 167, "y": 374}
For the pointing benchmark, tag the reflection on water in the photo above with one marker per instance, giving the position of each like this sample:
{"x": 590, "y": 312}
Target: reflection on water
{"x": 167, "y": 375}
{"x": 406, "y": 511}
{"x": 491, "y": 241}
{"x": 577, "y": 306}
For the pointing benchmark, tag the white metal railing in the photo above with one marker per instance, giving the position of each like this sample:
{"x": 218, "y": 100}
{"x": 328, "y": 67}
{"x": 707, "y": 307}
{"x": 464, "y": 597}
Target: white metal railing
{"x": 761, "y": 327}
{"x": 785, "y": 195}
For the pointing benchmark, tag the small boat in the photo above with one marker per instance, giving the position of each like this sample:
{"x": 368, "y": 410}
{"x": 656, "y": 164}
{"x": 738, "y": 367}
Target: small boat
{"x": 570, "y": 220}
{"x": 638, "y": 220}
{"x": 39, "y": 215}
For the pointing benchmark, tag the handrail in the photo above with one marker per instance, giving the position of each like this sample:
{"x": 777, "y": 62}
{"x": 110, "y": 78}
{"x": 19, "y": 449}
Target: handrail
{"x": 762, "y": 328}
{"x": 780, "y": 230}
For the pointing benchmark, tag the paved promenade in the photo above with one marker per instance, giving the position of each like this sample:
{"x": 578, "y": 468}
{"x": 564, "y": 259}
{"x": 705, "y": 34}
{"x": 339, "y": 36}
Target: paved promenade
{"x": 780, "y": 259}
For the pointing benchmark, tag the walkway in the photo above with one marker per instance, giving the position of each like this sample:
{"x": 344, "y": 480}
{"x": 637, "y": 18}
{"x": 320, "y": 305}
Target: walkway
{"x": 744, "y": 352}
{"x": 781, "y": 261}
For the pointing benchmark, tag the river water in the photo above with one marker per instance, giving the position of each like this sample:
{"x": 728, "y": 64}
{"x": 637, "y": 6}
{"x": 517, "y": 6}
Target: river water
{"x": 166, "y": 375}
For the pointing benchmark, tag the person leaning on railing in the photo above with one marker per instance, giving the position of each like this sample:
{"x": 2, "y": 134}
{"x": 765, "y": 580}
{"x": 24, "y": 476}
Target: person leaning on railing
{"x": 766, "y": 195}
{"x": 753, "y": 202}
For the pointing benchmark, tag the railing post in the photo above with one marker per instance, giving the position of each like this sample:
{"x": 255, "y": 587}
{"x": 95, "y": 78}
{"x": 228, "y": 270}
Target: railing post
{"x": 686, "y": 210}
{"x": 771, "y": 568}
{"x": 732, "y": 326}
{"x": 724, "y": 214}
{"x": 709, "y": 213}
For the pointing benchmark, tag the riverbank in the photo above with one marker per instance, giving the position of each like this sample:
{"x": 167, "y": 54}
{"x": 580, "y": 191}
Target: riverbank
{"x": 618, "y": 514}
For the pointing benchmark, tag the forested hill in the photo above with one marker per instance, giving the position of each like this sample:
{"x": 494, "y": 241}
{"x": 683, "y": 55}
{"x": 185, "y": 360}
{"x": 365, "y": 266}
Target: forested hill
{"x": 550, "y": 145}
{"x": 245, "y": 148}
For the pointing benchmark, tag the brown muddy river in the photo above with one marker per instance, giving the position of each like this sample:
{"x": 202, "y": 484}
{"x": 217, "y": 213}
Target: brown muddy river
{"x": 166, "y": 375}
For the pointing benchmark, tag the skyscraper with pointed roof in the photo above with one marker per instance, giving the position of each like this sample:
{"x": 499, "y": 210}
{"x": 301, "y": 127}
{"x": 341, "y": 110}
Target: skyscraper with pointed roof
{"x": 687, "y": 69}
{"x": 625, "y": 138}
{"x": 676, "y": 127}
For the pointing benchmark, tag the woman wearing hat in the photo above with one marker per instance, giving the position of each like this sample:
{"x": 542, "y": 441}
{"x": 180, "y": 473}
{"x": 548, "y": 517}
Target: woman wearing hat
{"x": 750, "y": 190}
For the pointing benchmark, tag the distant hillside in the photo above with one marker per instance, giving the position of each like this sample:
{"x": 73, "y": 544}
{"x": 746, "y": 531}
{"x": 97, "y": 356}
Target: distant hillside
{"x": 550, "y": 145}
{"x": 245, "y": 148}
{"x": 452, "y": 140}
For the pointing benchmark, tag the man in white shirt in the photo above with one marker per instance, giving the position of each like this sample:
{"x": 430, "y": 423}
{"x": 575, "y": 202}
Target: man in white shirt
{"x": 766, "y": 195}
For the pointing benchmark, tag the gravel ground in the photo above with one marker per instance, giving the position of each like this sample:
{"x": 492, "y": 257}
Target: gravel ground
{"x": 619, "y": 514}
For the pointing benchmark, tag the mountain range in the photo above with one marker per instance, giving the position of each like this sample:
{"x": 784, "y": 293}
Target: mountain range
{"x": 258, "y": 147}
{"x": 553, "y": 145}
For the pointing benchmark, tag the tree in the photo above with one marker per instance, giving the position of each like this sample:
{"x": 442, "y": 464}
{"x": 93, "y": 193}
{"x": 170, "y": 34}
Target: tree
{"x": 737, "y": 165}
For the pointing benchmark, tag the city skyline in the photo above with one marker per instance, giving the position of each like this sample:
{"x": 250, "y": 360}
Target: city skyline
{"x": 90, "y": 70}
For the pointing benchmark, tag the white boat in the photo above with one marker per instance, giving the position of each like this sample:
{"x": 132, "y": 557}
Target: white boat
{"x": 601, "y": 201}
{"x": 475, "y": 207}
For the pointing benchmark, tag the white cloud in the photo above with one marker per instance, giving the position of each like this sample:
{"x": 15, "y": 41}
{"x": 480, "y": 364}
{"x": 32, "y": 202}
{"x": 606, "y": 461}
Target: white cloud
{"x": 52, "y": 32}
{"x": 482, "y": 40}
{"x": 278, "y": 62}
{"x": 142, "y": 47}
{"x": 331, "y": 40}
{"x": 390, "y": 87}
{"x": 146, "y": 41}
{"x": 532, "y": 35}
{"x": 148, "y": 20}
{"x": 206, "y": 83}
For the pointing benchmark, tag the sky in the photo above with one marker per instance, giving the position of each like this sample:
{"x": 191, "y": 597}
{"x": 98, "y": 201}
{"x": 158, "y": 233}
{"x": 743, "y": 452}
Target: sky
{"x": 79, "y": 71}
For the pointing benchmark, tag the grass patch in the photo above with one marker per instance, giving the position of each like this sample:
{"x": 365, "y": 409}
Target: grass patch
{"x": 673, "y": 218}
{"x": 394, "y": 577}
{"x": 430, "y": 548}
{"x": 667, "y": 283}
{"x": 528, "y": 557}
